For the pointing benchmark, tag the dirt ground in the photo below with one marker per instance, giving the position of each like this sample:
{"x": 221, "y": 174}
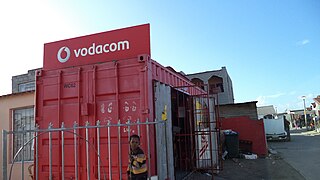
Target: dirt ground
{"x": 272, "y": 167}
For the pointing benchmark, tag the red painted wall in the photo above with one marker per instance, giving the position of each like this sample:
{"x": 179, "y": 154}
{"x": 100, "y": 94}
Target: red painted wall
{"x": 248, "y": 129}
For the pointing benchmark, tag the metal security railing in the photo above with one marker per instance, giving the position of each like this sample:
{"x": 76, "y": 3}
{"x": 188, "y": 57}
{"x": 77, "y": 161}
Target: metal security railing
{"x": 75, "y": 129}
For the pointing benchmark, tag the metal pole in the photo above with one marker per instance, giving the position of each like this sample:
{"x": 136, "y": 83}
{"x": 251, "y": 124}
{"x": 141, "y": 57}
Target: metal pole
{"x": 87, "y": 151}
{"x": 62, "y": 151}
{"x": 4, "y": 154}
{"x": 75, "y": 150}
{"x": 119, "y": 149}
{"x": 148, "y": 143}
{"x": 129, "y": 131}
{"x": 138, "y": 122}
{"x": 36, "y": 148}
{"x": 22, "y": 151}
{"x": 98, "y": 147}
{"x": 109, "y": 151}
{"x": 304, "y": 111}
{"x": 129, "y": 149}
{"x": 210, "y": 131}
{"x": 50, "y": 152}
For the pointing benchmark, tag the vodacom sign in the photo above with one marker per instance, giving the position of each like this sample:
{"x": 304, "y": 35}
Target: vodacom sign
{"x": 101, "y": 47}
{"x": 92, "y": 50}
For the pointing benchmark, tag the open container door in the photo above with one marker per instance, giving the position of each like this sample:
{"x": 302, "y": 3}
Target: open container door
{"x": 195, "y": 132}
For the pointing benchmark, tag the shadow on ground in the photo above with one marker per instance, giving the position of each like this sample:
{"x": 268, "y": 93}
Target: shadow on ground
{"x": 272, "y": 167}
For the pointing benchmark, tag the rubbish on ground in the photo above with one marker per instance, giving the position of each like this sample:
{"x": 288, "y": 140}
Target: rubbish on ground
{"x": 224, "y": 154}
{"x": 229, "y": 131}
{"x": 250, "y": 156}
{"x": 272, "y": 151}
{"x": 235, "y": 160}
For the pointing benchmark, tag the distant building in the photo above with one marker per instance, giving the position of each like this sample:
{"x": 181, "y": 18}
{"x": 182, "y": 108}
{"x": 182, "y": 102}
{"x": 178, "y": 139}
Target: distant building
{"x": 316, "y": 108}
{"x": 24, "y": 82}
{"x": 265, "y": 110}
{"x": 218, "y": 81}
{"x": 316, "y": 105}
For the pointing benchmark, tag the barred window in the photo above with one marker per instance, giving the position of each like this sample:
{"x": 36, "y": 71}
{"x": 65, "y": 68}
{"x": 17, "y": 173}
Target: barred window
{"x": 27, "y": 86}
{"x": 23, "y": 119}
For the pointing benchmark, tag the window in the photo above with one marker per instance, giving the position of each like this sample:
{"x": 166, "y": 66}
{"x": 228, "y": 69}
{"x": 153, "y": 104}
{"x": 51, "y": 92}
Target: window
{"x": 26, "y": 86}
{"x": 198, "y": 82}
{"x": 23, "y": 118}
{"x": 215, "y": 85}
{"x": 220, "y": 86}
{"x": 216, "y": 88}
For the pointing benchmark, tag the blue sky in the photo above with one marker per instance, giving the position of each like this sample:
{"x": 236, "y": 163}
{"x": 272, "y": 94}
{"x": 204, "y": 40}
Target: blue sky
{"x": 270, "y": 48}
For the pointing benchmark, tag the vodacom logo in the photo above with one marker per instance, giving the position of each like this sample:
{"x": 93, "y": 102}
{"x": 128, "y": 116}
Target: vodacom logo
{"x": 94, "y": 49}
{"x": 66, "y": 58}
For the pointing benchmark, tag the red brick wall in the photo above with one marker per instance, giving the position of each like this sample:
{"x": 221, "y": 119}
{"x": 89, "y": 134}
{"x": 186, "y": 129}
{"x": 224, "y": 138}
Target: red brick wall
{"x": 248, "y": 129}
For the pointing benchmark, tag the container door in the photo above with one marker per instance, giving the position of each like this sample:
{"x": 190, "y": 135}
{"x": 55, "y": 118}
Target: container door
{"x": 60, "y": 96}
{"x": 118, "y": 93}
{"x": 195, "y": 125}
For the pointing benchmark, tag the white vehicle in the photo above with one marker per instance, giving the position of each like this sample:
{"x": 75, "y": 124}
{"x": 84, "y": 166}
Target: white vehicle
{"x": 274, "y": 128}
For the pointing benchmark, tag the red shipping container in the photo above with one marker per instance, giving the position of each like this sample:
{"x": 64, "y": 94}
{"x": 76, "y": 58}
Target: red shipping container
{"x": 107, "y": 86}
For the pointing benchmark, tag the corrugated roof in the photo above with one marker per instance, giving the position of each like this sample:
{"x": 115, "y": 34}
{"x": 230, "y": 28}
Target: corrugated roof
{"x": 250, "y": 102}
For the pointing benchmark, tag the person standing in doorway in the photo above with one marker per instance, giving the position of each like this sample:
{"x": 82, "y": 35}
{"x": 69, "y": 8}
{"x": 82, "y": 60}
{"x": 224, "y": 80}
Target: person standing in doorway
{"x": 137, "y": 168}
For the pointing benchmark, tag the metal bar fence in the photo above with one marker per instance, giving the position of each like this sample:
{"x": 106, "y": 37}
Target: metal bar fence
{"x": 75, "y": 129}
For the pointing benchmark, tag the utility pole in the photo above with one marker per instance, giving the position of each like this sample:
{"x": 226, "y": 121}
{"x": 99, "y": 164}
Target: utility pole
{"x": 304, "y": 111}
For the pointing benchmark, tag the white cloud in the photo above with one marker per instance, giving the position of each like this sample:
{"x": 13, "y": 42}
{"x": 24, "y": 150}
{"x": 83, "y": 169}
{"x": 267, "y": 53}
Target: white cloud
{"x": 263, "y": 100}
{"x": 309, "y": 96}
{"x": 275, "y": 95}
{"x": 303, "y": 42}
